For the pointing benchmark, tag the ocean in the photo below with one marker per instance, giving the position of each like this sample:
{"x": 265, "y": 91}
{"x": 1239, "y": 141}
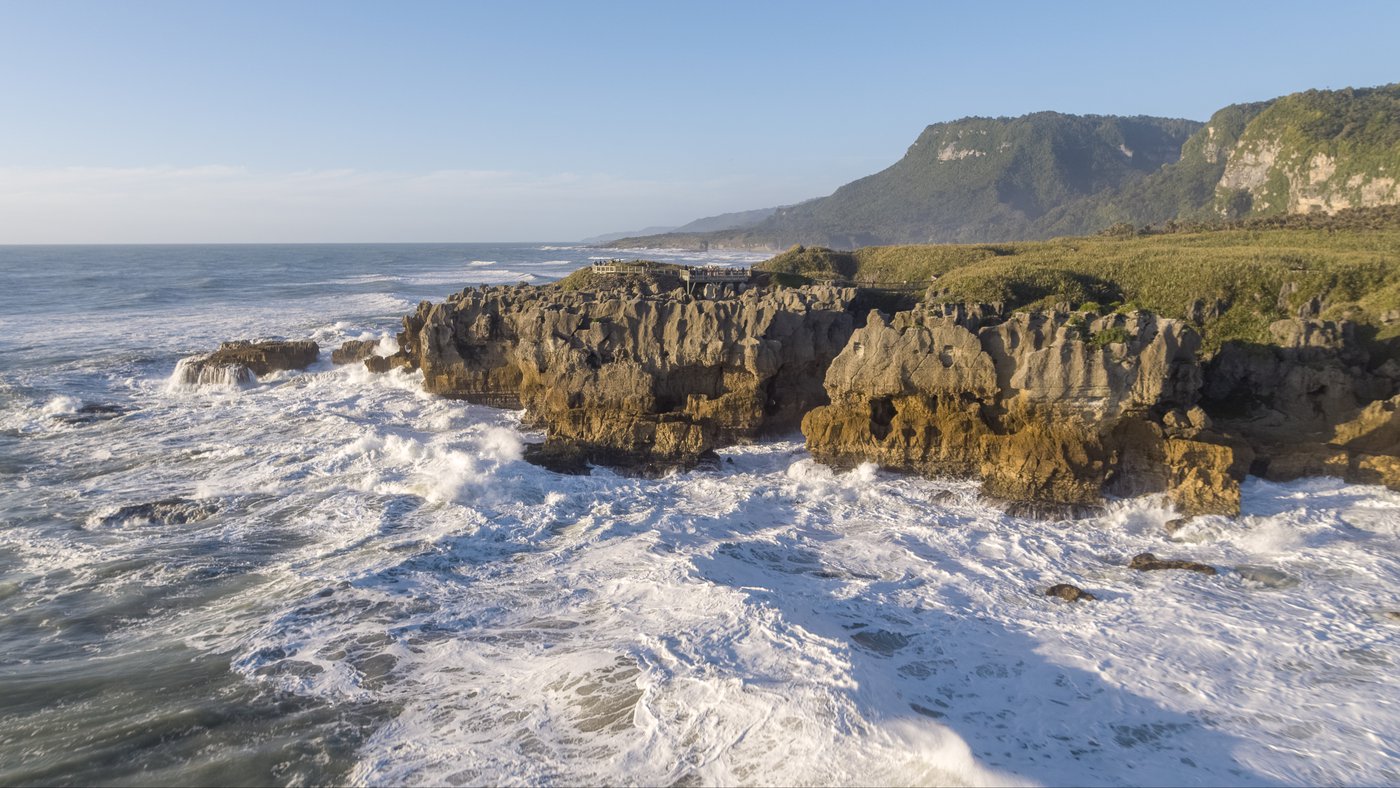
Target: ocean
{"x": 362, "y": 583}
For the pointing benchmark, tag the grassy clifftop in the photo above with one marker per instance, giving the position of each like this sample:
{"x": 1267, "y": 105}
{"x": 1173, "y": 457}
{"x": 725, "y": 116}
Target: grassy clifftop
{"x": 1233, "y": 282}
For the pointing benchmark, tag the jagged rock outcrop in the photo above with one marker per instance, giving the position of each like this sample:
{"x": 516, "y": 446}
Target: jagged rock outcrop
{"x": 241, "y": 362}
{"x": 636, "y": 375}
{"x": 1050, "y": 408}
{"x": 353, "y": 350}
{"x": 1042, "y": 406}
{"x": 1313, "y": 402}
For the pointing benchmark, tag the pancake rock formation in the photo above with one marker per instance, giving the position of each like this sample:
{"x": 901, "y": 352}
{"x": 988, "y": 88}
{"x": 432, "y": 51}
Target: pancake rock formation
{"x": 639, "y": 375}
{"x": 1051, "y": 408}
{"x": 1045, "y": 406}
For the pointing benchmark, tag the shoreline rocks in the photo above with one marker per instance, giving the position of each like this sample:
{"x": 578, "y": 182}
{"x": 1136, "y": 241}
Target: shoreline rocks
{"x": 1053, "y": 410}
{"x": 633, "y": 376}
{"x": 1046, "y": 407}
{"x": 242, "y": 362}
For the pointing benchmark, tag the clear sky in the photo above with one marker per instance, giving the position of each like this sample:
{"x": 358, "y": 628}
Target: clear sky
{"x": 207, "y": 121}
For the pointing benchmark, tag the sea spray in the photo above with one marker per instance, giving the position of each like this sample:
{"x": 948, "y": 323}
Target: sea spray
{"x": 194, "y": 372}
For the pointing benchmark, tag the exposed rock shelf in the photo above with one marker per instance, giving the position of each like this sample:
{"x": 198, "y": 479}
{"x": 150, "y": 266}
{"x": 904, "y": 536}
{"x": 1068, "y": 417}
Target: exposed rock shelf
{"x": 1051, "y": 407}
{"x": 634, "y": 375}
{"x": 1041, "y": 406}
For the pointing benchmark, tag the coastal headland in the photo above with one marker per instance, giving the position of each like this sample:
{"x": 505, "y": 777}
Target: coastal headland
{"x": 1057, "y": 372}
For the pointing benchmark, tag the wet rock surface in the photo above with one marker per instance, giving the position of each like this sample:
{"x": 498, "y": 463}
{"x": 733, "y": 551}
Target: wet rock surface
{"x": 167, "y": 511}
{"x": 1147, "y": 562}
{"x": 353, "y": 350}
{"x": 1069, "y": 593}
{"x": 242, "y": 362}
{"x": 262, "y": 358}
{"x": 92, "y": 412}
{"x": 634, "y": 376}
{"x": 1040, "y": 406}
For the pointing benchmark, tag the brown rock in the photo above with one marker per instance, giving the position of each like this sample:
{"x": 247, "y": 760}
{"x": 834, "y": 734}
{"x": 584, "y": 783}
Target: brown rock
{"x": 1027, "y": 405}
{"x": 353, "y": 350}
{"x": 382, "y": 364}
{"x": 634, "y": 375}
{"x": 1147, "y": 562}
{"x": 238, "y": 362}
{"x": 1069, "y": 593}
{"x": 265, "y": 357}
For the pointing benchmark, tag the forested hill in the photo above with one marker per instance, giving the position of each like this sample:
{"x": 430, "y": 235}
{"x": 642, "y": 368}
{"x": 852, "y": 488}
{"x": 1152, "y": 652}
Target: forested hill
{"x": 1048, "y": 174}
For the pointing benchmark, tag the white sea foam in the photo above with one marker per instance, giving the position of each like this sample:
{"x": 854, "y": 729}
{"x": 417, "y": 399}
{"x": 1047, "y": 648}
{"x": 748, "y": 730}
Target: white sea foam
{"x": 62, "y": 404}
{"x": 771, "y": 622}
{"x": 195, "y": 373}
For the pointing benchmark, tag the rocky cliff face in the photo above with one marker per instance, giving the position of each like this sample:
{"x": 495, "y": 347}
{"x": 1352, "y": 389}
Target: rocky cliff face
{"x": 634, "y": 375}
{"x": 1043, "y": 407}
{"x": 1317, "y": 151}
{"x": 1316, "y": 401}
{"x": 1050, "y": 406}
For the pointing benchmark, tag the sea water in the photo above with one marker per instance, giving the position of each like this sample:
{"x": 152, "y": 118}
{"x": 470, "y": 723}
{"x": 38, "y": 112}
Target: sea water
{"x": 352, "y": 581}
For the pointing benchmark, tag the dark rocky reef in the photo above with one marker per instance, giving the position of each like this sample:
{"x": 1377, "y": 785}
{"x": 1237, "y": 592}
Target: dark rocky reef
{"x": 636, "y": 375}
{"x": 1049, "y": 408}
{"x": 236, "y": 363}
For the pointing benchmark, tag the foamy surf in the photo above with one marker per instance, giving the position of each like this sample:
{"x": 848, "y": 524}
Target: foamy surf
{"x": 336, "y": 578}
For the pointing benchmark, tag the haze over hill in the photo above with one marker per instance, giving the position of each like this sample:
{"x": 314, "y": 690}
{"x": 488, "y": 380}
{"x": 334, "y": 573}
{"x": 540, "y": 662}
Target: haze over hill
{"x": 1048, "y": 174}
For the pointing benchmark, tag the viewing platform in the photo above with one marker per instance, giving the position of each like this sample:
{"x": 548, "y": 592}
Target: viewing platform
{"x": 709, "y": 280}
{"x": 715, "y": 274}
{"x": 619, "y": 267}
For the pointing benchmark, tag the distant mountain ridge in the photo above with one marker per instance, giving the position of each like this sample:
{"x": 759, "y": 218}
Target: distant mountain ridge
{"x": 1047, "y": 174}
{"x": 609, "y": 237}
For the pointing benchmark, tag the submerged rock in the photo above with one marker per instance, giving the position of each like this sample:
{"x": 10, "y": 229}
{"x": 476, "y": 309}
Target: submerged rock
{"x": 1147, "y": 562}
{"x": 91, "y": 412}
{"x": 1267, "y": 577}
{"x": 1069, "y": 593}
{"x": 168, "y": 511}
{"x": 880, "y": 641}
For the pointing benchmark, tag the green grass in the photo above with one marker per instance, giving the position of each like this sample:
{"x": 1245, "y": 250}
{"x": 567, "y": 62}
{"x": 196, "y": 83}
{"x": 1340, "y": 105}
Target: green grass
{"x": 585, "y": 279}
{"x": 1255, "y": 275}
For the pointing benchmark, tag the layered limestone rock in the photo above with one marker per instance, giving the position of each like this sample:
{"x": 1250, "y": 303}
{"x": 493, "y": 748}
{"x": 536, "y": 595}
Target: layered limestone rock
{"x": 1046, "y": 406}
{"x": 242, "y": 362}
{"x": 353, "y": 350}
{"x": 1050, "y": 407}
{"x": 634, "y": 375}
{"x": 1314, "y": 402}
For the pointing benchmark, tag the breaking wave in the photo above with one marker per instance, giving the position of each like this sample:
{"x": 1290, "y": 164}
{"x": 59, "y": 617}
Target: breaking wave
{"x": 334, "y": 577}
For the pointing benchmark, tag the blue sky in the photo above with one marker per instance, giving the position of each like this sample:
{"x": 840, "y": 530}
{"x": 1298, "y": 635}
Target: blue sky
{"x": 433, "y": 121}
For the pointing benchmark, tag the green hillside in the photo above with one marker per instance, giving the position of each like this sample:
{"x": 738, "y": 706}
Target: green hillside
{"x": 1047, "y": 174}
